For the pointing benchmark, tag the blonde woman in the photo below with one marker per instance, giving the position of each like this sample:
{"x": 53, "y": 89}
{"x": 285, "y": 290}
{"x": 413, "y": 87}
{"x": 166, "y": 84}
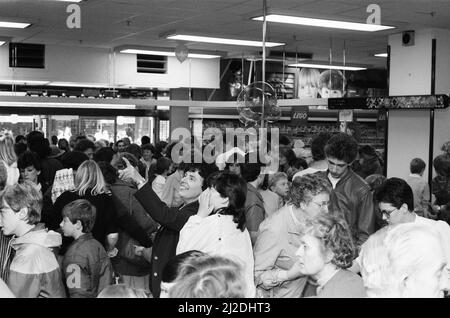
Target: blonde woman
{"x": 9, "y": 158}
{"x": 90, "y": 185}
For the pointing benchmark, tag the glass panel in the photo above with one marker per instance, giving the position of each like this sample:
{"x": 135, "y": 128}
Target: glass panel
{"x": 63, "y": 126}
{"x": 17, "y": 125}
{"x": 134, "y": 128}
{"x": 164, "y": 129}
{"x": 100, "y": 128}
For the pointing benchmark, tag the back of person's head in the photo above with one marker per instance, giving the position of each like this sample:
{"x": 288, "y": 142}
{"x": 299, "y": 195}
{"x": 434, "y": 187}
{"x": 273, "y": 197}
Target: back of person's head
{"x": 135, "y": 150}
{"x": 160, "y": 145}
{"x": 285, "y": 140}
{"x": 335, "y": 236}
{"x": 417, "y": 166}
{"x": 375, "y": 181}
{"x": 233, "y": 187}
{"x": 19, "y": 138}
{"x": 446, "y": 148}
{"x": 163, "y": 165}
{"x": 121, "y": 291}
{"x": 395, "y": 260}
{"x": 40, "y": 145}
{"x": 169, "y": 149}
{"x": 299, "y": 163}
{"x": 288, "y": 153}
{"x": 33, "y": 134}
{"x": 250, "y": 170}
{"x": 442, "y": 165}
{"x": 27, "y": 159}
{"x": 104, "y": 154}
{"x": 89, "y": 177}
{"x": 73, "y": 159}
{"x": 126, "y": 141}
{"x": 145, "y": 140}
{"x": 120, "y": 164}
{"x": 20, "y": 148}
{"x": 83, "y": 211}
{"x": 215, "y": 277}
{"x": 83, "y": 145}
{"x": 305, "y": 187}
{"x": 396, "y": 192}
{"x": 54, "y": 140}
{"x": 368, "y": 151}
{"x": 24, "y": 195}
{"x": 3, "y": 176}
{"x": 7, "y": 153}
{"x": 342, "y": 147}
{"x": 63, "y": 144}
{"x": 180, "y": 265}
{"x": 109, "y": 172}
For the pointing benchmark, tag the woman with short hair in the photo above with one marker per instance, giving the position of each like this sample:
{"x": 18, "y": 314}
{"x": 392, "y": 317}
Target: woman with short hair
{"x": 326, "y": 251}
{"x": 279, "y": 237}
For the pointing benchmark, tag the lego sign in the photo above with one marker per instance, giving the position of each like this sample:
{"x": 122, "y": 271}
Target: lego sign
{"x": 299, "y": 115}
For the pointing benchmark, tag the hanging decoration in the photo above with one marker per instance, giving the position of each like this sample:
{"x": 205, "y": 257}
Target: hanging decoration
{"x": 181, "y": 52}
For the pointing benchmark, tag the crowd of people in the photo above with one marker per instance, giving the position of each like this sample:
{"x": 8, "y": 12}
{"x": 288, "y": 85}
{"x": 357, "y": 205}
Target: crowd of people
{"x": 86, "y": 218}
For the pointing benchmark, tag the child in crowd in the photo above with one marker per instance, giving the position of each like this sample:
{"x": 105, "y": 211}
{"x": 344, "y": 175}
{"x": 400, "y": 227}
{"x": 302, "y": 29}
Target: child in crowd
{"x": 34, "y": 270}
{"x": 332, "y": 84}
{"x": 420, "y": 187}
{"x": 86, "y": 266}
{"x": 279, "y": 184}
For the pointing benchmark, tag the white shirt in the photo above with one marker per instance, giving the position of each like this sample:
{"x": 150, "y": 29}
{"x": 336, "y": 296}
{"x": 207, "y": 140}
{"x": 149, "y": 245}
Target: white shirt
{"x": 158, "y": 185}
{"x": 442, "y": 228}
{"x": 333, "y": 181}
{"x": 218, "y": 235}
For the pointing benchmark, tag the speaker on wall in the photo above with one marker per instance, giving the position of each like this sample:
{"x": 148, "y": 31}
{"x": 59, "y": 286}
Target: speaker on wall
{"x": 408, "y": 38}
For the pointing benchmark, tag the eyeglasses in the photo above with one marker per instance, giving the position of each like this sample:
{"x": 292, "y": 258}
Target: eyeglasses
{"x": 322, "y": 204}
{"x": 387, "y": 213}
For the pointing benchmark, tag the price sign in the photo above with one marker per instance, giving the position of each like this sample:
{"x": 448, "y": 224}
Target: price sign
{"x": 346, "y": 115}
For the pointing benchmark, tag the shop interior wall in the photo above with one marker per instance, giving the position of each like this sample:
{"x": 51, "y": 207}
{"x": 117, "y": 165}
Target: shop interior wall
{"x": 408, "y": 138}
{"x": 94, "y": 65}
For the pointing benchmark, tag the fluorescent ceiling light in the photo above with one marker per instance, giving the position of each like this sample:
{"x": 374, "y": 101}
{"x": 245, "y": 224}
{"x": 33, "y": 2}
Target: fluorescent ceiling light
{"x": 23, "y": 82}
{"x": 329, "y": 67}
{"x": 74, "y": 84}
{"x": 324, "y": 23}
{"x": 2, "y": 42}
{"x": 16, "y": 25}
{"x": 207, "y": 39}
{"x": 381, "y": 55}
{"x": 69, "y": 0}
{"x": 168, "y": 53}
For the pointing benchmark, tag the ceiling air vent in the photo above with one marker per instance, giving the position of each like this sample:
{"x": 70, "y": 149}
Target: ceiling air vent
{"x": 26, "y": 55}
{"x": 151, "y": 64}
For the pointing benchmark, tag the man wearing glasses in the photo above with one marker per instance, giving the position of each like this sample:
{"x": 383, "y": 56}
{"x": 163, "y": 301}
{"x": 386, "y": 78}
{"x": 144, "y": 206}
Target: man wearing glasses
{"x": 351, "y": 195}
{"x": 396, "y": 202}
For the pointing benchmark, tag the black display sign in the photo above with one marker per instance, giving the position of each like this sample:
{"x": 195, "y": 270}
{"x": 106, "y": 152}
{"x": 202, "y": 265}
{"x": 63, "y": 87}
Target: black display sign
{"x": 390, "y": 102}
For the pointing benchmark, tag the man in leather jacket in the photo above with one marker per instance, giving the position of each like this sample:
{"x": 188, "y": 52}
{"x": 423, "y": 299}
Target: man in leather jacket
{"x": 351, "y": 196}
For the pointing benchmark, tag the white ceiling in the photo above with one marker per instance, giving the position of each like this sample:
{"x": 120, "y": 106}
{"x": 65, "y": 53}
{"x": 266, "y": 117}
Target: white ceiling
{"x": 111, "y": 23}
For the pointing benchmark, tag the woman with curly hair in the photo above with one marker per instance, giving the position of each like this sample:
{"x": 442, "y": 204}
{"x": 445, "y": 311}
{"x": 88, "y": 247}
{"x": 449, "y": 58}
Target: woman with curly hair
{"x": 279, "y": 237}
{"x": 326, "y": 251}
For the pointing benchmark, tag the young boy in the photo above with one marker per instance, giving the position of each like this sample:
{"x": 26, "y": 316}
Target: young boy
{"x": 332, "y": 84}
{"x": 34, "y": 270}
{"x": 86, "y": 266}
{"x": 419, "y": 186}
{"x": 279, "y": 184}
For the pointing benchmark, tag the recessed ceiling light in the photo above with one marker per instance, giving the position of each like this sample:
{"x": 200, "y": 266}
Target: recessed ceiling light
{"x": 15, "y": 25}
{"x": 207, "y": 39}
{"x": 169, "y": 53}
{"x": 381, "y": 55}
{"x": 324, "y": 23}
{"x": 329, "y": 67}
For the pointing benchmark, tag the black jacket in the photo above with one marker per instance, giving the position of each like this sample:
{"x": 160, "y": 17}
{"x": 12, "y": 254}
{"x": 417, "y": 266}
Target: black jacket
{"x": 172, "y": 221}
{"x": 353, "y": 199}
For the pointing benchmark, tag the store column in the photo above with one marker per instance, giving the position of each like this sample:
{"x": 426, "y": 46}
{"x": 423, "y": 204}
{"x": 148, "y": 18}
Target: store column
{"x": 179, "y": 116}
{"x": 418, "y": 65}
